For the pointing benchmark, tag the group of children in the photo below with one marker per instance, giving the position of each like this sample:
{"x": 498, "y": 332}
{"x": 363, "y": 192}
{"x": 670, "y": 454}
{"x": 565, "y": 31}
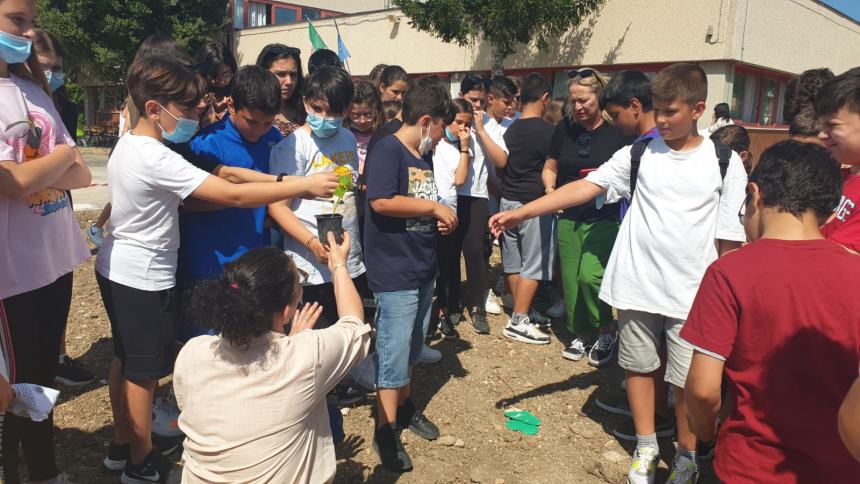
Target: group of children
{"x": 614, "y": 190}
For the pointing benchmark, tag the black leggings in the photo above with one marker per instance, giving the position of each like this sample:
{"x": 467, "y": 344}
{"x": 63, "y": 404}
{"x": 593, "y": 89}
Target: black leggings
{"x": 473, "y": 214}
{"x": 448, "y": 281}
{"x": 36, "y": 323}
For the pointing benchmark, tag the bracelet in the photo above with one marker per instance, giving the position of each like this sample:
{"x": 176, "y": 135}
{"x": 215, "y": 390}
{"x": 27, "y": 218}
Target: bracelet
{"x": 308, "y": 243}
{"x": 281, "y": 177}
{"x": 337, "y": 266}
{"x": 464, "y": 151}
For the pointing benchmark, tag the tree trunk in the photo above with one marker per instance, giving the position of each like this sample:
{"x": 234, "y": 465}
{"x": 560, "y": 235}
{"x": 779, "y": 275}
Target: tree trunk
{"x": 496, "y": 68}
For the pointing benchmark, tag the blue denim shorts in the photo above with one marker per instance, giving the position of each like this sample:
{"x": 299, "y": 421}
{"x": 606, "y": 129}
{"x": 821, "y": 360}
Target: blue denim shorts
{"x": 401, "y": 324}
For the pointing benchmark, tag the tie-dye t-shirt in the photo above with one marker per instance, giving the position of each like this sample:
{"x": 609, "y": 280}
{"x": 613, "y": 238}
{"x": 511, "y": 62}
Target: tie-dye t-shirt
{"x": 39, "y": 237}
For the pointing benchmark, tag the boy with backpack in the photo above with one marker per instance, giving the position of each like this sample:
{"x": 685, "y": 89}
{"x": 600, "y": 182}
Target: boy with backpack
{"x": 758, "y": 309}
{"x": 683, "y": 215}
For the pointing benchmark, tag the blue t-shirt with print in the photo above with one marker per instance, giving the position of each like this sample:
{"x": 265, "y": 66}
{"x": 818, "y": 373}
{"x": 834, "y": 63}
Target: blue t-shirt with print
{"x": 399, "y": 253}
{"x": 211, "y": 239}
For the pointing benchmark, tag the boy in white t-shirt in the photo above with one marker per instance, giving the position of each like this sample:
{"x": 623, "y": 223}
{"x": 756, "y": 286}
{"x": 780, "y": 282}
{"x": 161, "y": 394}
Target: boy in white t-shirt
{"x": 683, "y": 216}
{"x": 136, "y": 265}
{"x": 322, "y": 145}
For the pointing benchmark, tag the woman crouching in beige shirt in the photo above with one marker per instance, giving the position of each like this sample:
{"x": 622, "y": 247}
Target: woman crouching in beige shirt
{"x": 253, "y": 398}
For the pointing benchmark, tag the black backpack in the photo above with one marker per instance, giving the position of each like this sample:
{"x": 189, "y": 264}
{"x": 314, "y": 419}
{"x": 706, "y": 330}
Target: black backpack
{"x": 724, "y": 154}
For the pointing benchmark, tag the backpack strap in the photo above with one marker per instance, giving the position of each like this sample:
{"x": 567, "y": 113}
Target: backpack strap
{"x": 636, "y": 152}
{"x": 724, "y": 155}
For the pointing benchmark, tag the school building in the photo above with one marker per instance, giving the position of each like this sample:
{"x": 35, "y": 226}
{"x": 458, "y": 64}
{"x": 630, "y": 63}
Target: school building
{"x": 749, "y": 48}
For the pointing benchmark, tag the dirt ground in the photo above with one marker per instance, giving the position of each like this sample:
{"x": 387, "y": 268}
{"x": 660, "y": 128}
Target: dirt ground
{"x": 465, "y": 394}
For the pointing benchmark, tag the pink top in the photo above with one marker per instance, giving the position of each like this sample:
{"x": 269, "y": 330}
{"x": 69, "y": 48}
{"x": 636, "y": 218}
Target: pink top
{"x": 363, "y": 139}
{"x": 39, "y": 237}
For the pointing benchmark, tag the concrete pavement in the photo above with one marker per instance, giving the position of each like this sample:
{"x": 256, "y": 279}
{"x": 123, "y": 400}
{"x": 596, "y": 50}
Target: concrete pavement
{"x": 95, "y": 196}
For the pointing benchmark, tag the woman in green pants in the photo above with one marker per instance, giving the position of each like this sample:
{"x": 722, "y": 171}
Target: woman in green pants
{"x": 582, "y": 141}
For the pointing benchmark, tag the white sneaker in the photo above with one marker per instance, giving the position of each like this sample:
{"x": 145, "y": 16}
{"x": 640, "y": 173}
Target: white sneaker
{"x": 491, "y": 304}
{"x": 364, "y": 374}
{"x": 558, "y": 310}
{"x": 643, "y": 469}
{"x": 539, "y": 319}
{"x": 507, "y": 300}
{"x": 429, "y": 355}
{"x": 96, "y": 235}
{"x": 576, "y": 351}
{"x": 525, "y": 332}
{"x": 165, "y": 417}
{"x": 684, "y": 471}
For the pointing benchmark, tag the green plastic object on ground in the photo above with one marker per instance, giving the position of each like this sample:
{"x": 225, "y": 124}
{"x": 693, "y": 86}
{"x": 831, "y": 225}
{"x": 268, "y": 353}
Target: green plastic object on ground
{"x": 520, "y": 426}
{"x": 522, "y": 421}
{"x": 523, "y": 416}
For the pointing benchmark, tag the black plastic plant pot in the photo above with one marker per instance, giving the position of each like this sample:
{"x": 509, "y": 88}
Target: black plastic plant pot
{"x": 330, "y": 223}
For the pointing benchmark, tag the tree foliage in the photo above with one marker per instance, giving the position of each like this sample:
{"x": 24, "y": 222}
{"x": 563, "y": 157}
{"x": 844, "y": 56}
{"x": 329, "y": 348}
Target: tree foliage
{"x": 101, "y": 36}
{"x": 501, "y": 23}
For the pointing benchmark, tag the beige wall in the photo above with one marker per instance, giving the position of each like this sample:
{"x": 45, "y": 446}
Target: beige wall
{"x": 787, "y": 35}
{"x": 793, "y": 36}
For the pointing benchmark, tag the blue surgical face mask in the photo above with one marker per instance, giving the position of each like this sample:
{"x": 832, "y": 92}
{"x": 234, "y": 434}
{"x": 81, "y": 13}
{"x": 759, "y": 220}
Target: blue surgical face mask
{"x": 184, "y": 131}
{"x": 14, "y": 49}
{"x": 450, "y": 136}
{"x": 55, "y": 80}
{"x": 324, "y": 127}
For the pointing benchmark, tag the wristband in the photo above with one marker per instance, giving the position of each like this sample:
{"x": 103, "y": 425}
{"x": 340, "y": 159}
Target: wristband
{"x": 281, "y": 177}
{"x": 464, "y": 151}
{"x": 308, "y": 243}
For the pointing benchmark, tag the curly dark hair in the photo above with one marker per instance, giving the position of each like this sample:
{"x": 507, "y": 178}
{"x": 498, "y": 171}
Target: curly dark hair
{"x": 796, "y": 177}
{"x": 800, "y": 91}
{"x": 254, "y": 288}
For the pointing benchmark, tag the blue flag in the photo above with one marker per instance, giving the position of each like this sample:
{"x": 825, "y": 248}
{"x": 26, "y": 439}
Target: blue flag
{"x": 341, "y": 49}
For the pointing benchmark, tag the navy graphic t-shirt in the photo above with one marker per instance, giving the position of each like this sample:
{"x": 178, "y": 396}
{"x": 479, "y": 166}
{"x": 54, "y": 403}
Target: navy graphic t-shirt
{"x": 399, "y": 253}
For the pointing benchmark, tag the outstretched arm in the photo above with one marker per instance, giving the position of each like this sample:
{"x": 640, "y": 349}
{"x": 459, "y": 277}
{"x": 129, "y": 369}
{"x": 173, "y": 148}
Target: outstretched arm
{"x": 569, "y": 195}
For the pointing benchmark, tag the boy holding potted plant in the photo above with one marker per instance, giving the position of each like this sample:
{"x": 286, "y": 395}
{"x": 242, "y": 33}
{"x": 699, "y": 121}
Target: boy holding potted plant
{"x": 321, "y": 145}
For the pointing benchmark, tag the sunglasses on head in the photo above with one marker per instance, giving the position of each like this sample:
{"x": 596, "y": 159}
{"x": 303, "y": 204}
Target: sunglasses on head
{"x": 279, "y": 50}
{"x": 473, "y": 81}
{"x": 582, "y": 73}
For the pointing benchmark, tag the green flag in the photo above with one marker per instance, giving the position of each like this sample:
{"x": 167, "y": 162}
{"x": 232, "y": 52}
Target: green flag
{"x": 316, "y": 40}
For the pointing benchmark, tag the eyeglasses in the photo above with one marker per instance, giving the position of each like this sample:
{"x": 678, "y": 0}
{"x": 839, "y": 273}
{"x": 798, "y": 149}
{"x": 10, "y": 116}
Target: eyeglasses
{"x": 742, "y": 213}
{"x": 584, "y": 147}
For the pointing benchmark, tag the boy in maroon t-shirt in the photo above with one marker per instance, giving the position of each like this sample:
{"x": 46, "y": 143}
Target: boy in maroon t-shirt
{"x": 782, "y": 318}
{"x": 838, "y": 107}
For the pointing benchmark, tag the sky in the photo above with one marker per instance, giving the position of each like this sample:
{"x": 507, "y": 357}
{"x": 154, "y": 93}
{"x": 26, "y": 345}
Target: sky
{"x": 850, "y": 8}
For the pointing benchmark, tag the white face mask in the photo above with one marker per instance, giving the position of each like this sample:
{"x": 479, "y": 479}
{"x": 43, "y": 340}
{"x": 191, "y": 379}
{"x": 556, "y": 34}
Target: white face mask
{"x": 426, "y": 145}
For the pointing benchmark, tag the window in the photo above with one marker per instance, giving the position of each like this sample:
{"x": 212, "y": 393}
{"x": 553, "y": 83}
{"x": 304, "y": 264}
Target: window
{"x": 767, "y": 109}
{"x": 238, "y": 14}
{"x": 739, "y": 88}
{"x": 259, "y": 14}
{"x": 310, "y": 13}
{"x": 284, "y": 15}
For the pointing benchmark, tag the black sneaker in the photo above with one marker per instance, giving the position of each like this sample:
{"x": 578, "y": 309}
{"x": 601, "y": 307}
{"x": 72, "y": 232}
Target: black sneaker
{"x": 71, "y": 373}
{"x": 601, "y": 353}
{"x": 663, "y": 426}
{"x": 344, "y": 395}
{"x": 117, "y": 456}
{"x": 410, "y": 416}
{"x": 479, "y": 321}
{"x": 154, "y": 468}
{"x": 446, "y": 326}
{"x": 389, "y": 448}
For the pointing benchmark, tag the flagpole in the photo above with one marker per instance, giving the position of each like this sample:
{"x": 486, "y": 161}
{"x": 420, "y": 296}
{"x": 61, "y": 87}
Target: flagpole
{"x": 336, "y": 29}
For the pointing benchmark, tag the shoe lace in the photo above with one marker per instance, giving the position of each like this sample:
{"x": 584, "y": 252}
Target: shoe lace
{"x": 71, "y": 362}
{"x": 604, "y": 341}
{"x": 642, "y": 462}
{"x": 577, "y": 345}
